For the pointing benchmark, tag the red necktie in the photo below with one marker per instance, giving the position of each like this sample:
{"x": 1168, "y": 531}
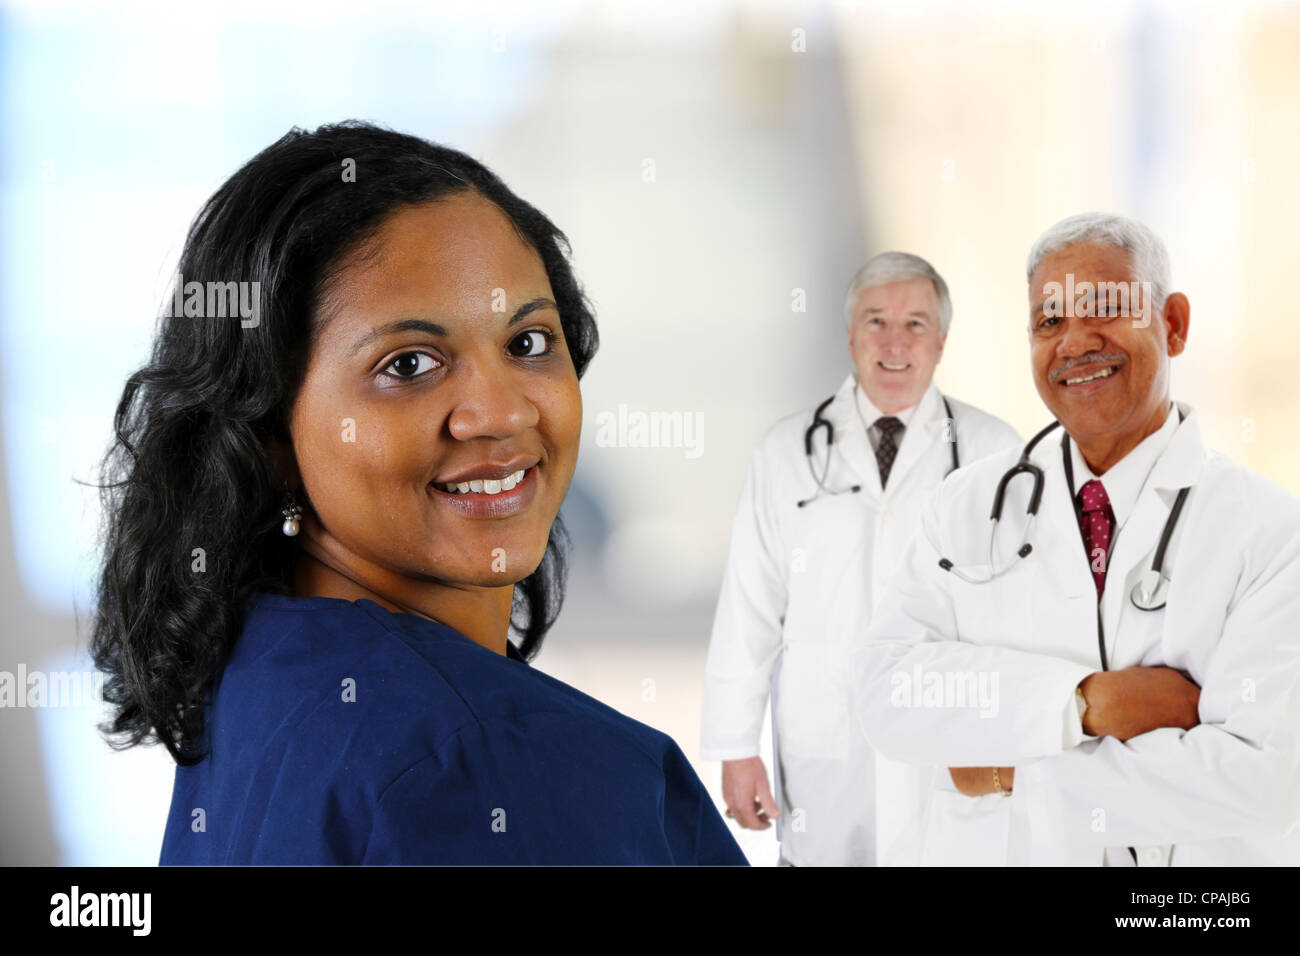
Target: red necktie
{"x": 1098, "y": 518}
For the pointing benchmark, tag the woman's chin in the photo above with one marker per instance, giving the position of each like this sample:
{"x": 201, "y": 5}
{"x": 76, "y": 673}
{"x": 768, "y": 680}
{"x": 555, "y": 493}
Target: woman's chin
{"x": 503, "y": 565}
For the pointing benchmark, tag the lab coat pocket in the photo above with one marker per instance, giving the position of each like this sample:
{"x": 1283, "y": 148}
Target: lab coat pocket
{"x": 995, "y": 611}
{"x": 975, "y": 605}
{"x": 966, "y": 831}
{"x": 812, "y": 701}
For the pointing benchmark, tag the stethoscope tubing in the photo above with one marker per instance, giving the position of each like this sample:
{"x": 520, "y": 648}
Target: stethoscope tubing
{"x": 1156, "y": 573}
{"x": 818, "y": 422}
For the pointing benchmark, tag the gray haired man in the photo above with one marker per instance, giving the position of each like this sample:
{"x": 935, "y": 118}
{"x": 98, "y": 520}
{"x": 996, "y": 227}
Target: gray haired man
{"x": 829, "y": 501}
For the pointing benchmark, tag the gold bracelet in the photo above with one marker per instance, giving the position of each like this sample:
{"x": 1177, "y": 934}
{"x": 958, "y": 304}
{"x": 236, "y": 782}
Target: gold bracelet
{"x": 997, "y": 784}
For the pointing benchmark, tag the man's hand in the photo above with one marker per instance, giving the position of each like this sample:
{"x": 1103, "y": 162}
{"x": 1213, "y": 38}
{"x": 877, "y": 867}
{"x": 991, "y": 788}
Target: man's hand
{"x": 746, "y": 792}
{"x": 1125, "y": 703}
{"x": 977, "y": 781}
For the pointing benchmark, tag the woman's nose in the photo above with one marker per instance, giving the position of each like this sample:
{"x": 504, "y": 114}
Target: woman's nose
{"x": 490, "y": 403}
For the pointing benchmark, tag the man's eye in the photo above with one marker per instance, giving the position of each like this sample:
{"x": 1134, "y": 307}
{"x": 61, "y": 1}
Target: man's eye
{"x": 531, "y": 344}
{"x": 1044, "y": 322}
{"x": 411, "y": 364}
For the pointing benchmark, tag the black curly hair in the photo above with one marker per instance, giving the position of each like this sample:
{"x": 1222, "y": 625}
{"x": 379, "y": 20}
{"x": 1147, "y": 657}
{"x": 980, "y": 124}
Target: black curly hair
{"x": 190, "y": 465}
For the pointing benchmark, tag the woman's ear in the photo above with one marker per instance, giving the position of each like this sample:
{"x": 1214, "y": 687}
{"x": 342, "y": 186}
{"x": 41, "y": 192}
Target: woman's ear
{"x": 285, "y": 462}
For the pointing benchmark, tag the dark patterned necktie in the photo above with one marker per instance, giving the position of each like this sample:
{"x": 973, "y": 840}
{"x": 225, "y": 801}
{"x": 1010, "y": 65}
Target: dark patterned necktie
{"x": 1098, "y": 518}
{"x": 887, "y": 450}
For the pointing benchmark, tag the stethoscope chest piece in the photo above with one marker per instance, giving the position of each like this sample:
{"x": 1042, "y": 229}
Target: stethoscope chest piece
{"x": 1151, "y": 591}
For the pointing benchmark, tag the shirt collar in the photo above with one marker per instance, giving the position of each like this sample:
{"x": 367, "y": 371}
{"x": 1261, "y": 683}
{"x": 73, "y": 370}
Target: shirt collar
{"x": 870, "y": 412}
{"x": 1123, "y": 481}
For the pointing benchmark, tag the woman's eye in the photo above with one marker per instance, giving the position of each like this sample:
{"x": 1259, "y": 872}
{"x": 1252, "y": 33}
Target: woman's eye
{"x": 411, "y": 364}
{"x": 531, "y": 344}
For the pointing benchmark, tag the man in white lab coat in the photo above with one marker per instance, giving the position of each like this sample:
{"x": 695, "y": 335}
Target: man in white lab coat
{"x": 820, "y": 524}
{"x": 1104, "y": 699}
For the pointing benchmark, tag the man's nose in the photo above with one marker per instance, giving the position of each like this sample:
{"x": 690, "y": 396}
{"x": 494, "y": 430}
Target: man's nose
{"x": 1078, "y": 338}
{"x": 895, "y": 339}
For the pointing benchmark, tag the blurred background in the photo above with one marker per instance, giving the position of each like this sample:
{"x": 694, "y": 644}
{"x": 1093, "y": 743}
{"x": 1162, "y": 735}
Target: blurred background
{"x": 721, "y": 169}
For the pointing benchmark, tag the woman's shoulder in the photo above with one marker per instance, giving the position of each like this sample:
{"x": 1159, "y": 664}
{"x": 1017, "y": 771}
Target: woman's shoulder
{"x": 402, "y": 685}
{"x": 360, "y": 654}
{"x": 342, "y": 718}
{"x": 504, "y": 693}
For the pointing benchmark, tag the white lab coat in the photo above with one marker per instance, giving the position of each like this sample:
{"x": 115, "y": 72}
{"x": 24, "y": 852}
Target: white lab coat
{"x": 1226, "y": 792}
{"x": 796, "y": 599}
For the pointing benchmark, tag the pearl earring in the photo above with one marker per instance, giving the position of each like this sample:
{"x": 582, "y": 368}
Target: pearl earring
{"x": 292, "y": 512}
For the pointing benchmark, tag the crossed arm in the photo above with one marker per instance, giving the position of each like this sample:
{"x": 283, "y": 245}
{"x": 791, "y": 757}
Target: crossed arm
{"x": 1221, "y": 760}
{"x": 1120, "y": 704}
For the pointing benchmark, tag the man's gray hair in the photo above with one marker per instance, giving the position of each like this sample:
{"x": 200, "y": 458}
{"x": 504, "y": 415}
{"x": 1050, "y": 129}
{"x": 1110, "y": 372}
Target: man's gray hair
{"x": 896, "y": 267}
{"x": 1148, "y": 254}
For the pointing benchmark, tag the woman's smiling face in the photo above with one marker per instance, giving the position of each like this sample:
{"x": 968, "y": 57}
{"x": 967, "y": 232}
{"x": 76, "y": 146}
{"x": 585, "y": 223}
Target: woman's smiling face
{"x": 441, "y": 359}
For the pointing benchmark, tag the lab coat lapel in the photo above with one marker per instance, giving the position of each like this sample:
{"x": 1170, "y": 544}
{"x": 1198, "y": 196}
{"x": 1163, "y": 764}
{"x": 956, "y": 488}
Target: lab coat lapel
{"x": 1179, "y": 466}
{"x": 1065, "y": 598}
{"x": 918, "y": 438}
{"x": 851, "y": 439}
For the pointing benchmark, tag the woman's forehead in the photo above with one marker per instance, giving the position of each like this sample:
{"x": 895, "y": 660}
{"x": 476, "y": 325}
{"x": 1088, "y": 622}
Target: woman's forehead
{"x": 460, "y": 256}
{"x": 464, "y": 232}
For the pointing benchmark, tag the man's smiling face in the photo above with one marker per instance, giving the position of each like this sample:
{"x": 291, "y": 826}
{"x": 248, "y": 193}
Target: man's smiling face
{"x": 895, "y": 342}
{"x": 1102, "y": 374}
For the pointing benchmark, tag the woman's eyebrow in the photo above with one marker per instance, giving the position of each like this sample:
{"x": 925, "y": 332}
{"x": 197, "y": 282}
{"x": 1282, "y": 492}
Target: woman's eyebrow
{"x": 532, "y": 305}
{"x": 433, "y": 328}
{"x": 402, "y": 325}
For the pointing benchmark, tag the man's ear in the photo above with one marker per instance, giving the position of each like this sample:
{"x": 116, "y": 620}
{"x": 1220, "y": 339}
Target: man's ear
{"x": 285, "y": 463}
{"x": 1178, "y": 318}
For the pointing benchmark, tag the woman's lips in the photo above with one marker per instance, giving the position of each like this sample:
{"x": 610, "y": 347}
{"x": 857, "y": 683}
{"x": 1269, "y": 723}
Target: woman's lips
{"x": 503, "y": 504}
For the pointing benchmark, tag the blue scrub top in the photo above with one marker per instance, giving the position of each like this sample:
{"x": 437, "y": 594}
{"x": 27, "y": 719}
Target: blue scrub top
{"x": 343, "y": 733}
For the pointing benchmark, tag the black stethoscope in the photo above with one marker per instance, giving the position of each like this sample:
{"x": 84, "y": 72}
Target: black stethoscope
{"x": 1150, "y": 592}
{"x": 819, "y": 422}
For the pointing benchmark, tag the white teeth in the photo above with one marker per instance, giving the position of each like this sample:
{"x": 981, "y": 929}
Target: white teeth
{"x": 1095, "y": 375}
{"x": 894, "y": 368}
{"x": 487, "y": 486}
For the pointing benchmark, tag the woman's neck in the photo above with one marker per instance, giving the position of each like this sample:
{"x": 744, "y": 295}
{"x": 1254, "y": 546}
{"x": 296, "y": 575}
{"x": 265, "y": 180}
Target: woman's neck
{"x": 481, "y": 614}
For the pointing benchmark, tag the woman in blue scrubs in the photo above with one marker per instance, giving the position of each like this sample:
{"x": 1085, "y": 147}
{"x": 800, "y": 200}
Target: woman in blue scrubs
{"x": 329, "y": 507}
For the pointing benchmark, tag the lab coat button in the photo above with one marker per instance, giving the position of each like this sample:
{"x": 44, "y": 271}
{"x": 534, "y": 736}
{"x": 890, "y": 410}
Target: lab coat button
{"x": 1152, "y": 856}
